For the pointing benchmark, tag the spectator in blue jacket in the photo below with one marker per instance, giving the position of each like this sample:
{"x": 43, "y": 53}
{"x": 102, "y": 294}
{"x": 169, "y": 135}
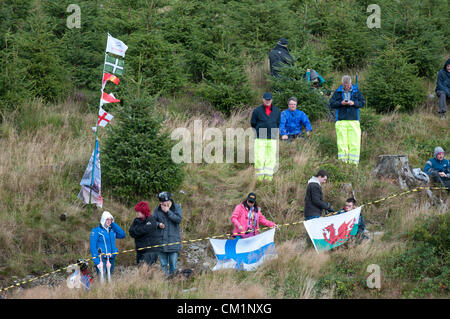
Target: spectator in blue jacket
{"x": 438, "y": 168}
{"x": 293, "y": 121}
{"x": 104, "y": 237}
{"x": 443, "y": 88}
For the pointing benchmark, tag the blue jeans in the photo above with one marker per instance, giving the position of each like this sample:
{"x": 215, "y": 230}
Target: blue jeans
{"x": 168, "y": 259}
{"x": 311, "y": 217}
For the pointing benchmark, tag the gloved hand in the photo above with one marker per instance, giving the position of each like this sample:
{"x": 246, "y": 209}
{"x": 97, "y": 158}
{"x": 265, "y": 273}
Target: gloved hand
{"x": 331, "y": 210}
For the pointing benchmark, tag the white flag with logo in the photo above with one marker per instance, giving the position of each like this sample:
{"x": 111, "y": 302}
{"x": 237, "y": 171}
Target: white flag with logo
{"x": 115, "y": 46}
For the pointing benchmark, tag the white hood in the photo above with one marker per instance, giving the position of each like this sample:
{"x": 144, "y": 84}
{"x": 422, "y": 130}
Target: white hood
{"x": 314, "y": 179}
{"x": 105, "y": 216}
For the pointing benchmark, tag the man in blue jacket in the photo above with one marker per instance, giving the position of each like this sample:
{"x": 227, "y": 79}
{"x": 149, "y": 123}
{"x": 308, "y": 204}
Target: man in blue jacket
{"x": 443, "y": 88}
{"x": 293, "y": 121}
{"x": 104, "y": 237}
{"x": 438, "y": 167}
{"x": 347, "y": 100}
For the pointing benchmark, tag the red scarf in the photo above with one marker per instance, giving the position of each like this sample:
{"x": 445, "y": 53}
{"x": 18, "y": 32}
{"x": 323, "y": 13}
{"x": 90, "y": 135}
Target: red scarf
{"x": 268, "y": 109}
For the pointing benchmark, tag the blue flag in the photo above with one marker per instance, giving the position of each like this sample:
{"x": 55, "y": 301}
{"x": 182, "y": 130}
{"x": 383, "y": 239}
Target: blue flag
{"x": 91, "y": 183}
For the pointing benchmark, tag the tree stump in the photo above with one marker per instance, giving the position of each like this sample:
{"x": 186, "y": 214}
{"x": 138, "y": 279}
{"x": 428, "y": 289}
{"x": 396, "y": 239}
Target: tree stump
{"x": 395, "y": 167}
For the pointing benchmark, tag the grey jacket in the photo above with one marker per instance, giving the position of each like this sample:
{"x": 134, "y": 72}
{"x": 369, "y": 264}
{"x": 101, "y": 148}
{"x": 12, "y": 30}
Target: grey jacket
{"x": 171, "y": 232}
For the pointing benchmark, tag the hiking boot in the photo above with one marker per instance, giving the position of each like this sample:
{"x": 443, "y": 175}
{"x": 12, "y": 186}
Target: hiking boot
{"x": 442, "y": 116}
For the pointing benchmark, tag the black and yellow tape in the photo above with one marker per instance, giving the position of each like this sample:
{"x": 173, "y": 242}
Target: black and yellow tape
{"x": 18, "y": 284}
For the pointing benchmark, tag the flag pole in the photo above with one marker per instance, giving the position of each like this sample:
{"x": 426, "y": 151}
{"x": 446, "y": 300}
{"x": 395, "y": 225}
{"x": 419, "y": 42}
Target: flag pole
{"x": 96, "y": 134}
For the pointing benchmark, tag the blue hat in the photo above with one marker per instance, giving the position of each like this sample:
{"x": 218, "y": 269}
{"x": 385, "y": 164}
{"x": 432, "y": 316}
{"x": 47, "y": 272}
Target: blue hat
{"x": 267, "y": 96}
{"x": 283, "y": 41}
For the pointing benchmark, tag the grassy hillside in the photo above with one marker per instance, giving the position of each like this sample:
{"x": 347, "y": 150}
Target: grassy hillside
{"x": 45, "y": 154}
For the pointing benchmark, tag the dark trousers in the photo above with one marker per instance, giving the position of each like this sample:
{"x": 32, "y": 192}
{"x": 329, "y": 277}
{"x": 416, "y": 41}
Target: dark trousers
{"x": 443, "y": 100}
{"x": 444, "y": 181}
{"x": 148, "y": 257}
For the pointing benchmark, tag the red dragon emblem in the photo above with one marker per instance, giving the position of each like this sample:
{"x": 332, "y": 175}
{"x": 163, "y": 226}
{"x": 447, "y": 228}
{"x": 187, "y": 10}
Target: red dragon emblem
{"x": 342, "y": 235}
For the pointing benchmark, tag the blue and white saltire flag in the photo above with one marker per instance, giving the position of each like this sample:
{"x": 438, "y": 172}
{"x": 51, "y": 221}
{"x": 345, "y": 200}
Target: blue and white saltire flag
{"x": 329, "y": 232}
{"x": 244, "y": 254}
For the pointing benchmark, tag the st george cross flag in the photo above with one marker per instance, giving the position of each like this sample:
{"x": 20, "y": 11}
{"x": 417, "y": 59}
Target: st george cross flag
{"x": 115, "y": 46}
{"x": 89, "y": 184}
{"x": 110, "y": 77}
{"x": 103, "y": 118}
{"x": 113, "y": 65}
{"x": 244, "y": 254}
{"x": 108, "y": 98}
{"x": 329, "y": 232}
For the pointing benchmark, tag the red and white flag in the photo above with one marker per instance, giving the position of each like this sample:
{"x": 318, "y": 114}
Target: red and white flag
{"x": 110, "y": 77}
{"x": 104, "y": 117}
{"x": 108, "y": 98}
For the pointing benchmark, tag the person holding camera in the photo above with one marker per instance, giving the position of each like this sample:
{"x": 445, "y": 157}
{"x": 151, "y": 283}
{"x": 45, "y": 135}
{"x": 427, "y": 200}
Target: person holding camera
{"x": 347, "y": 100}
{"x": 314, "y": 203}
{"x": 169, "y": 216}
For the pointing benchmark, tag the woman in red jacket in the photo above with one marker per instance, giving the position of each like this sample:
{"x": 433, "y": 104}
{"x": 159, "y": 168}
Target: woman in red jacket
{"x": 247, "y": 217}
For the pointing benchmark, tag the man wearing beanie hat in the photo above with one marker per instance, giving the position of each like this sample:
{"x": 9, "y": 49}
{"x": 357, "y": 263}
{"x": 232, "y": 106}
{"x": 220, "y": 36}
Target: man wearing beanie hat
{"x": 279, "y": 56}
{"x": 144, "y": 230}
{"x": 438, "y": 168}
{"x": 266, "y": 121}
{"x": 443, "y": 88}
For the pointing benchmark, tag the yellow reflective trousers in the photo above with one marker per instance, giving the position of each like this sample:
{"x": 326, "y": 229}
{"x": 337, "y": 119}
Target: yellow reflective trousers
{"x": 348, "y": 138}
{"x": 265, "y": 158}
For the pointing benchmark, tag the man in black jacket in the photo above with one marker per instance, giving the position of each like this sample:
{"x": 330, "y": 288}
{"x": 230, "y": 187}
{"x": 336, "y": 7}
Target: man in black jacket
{"x": 443, "y": 88}
{"x": 266, "y": 121}
{"x": 279, "y": 56}
{"x": 145, "y": 230}
{"x": 314, "y": 203}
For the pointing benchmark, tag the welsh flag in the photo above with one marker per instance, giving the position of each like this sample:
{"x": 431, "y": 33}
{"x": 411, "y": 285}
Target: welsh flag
{"x": 113, "y": 65}
{"x": 110, "y": 77}
{"x": 329, "y": 232}
{"x": 104, "y": 117}
{"x": 108, "y": 98}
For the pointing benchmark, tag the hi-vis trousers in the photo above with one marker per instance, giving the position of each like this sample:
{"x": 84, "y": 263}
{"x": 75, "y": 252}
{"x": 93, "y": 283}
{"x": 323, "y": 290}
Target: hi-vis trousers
{"x": 266, "y": 151}
{"x": 348, "y": 136}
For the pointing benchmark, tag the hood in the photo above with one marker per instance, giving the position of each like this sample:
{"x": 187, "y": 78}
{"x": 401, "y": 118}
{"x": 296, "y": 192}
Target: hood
{"x": 105, "y": 216}
{"x": 341, "y": 88}
{"x": 314, "y": 179}
{"x": 446, "y": 63}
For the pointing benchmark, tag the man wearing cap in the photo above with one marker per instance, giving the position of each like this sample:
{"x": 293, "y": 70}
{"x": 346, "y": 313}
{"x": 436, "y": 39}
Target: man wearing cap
{"x": 169, "y": 216}
{"x": 438, "y": 167}
{"x": 247, "y": 218}
{"x": 266, "y": 121}
{"x": 312, "y": 76}
{"x": 443, "y": 88}
{"x": 278, "y": 56}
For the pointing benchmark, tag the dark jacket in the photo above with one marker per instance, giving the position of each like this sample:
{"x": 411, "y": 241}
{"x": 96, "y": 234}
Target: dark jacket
{"x": 314, "y": 203}
{"x": 347, "y": 112}
{"x": 434, "y": 165}
{"x": 145, "y": 233}
{"x": 260, "y": 120}
{"x": 171, "y": 232}
{"x": 443, "y": 80}
{"x": 279, "y": 56}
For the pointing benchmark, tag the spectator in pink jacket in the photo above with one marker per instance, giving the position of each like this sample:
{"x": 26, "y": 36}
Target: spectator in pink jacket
{"x": 247, "y": 217}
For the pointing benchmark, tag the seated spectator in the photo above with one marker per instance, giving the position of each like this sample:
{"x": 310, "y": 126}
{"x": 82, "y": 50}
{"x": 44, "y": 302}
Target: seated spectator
{"x": 438, "y": 168}
{"x": 443, "y": 88}
{"x": 292, "y": 121}
{"x": 350, "y": 204}
{"x": 313, "y": 77}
